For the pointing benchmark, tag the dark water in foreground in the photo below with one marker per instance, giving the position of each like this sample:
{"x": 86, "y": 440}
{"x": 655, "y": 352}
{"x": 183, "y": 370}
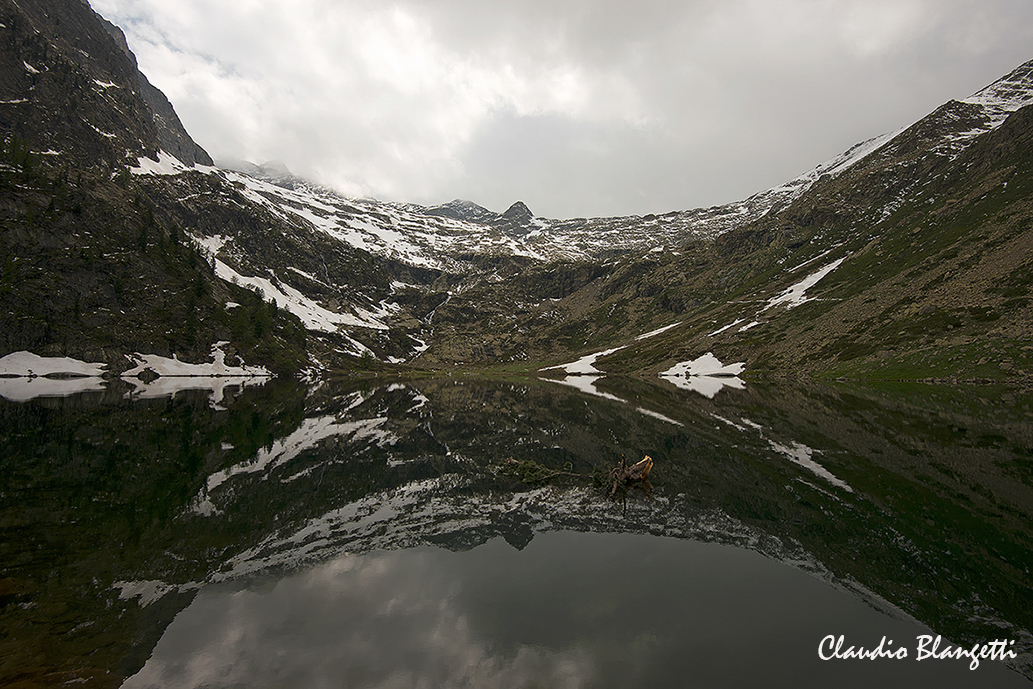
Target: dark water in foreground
{"x": 357, "y": 534}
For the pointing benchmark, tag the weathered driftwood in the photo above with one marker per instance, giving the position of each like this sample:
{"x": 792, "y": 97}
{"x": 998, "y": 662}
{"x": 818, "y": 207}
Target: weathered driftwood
{"x": 622, "y": 474}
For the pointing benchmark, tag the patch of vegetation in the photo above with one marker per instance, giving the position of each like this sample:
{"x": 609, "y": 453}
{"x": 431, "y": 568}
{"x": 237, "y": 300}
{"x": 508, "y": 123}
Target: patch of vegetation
{"x": 975, "y": 361}
{"x": 532, "y": 473}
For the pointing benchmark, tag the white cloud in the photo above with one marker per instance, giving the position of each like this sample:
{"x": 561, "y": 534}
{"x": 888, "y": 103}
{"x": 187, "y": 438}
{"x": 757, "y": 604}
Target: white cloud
{"x": 582, "y": 107}
{"x": 383, "y": 620}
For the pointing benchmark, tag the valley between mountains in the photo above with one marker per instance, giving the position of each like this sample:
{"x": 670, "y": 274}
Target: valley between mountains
{"x": 907, "y": 257}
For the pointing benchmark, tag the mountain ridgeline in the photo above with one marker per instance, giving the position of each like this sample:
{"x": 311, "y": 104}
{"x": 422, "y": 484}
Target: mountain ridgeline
{"x": 908, "y": 257}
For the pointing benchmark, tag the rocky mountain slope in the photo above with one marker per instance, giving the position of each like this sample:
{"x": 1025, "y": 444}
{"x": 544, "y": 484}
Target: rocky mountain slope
{"x": 121, "y": 236}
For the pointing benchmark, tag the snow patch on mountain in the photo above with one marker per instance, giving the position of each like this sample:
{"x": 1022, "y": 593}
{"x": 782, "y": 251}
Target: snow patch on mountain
{"x": 795, "y": 295}
{"x": 726, "y": 327}
{"x": 790, "y": 297}
{"x": 166, "y": 164}
{"x": 309, "y": 311}
{"x": 706, "y": 365}
{"x": 585, "y": 366}
{"x": 658, "y": 331}
{"x": 29, "y": 365}
{"x": 165, "y": 367}
{"x": 705, "y": 375}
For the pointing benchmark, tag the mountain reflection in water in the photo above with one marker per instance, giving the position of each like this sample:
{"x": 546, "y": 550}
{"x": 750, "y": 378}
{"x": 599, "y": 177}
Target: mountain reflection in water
{"x": 307, "y": 529}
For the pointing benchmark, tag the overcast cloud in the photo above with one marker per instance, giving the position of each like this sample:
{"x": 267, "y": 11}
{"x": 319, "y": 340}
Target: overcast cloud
{"x": 576, "y": 107}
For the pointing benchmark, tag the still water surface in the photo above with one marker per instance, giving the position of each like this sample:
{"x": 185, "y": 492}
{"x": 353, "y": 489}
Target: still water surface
{"x": 366, "y": 535}
{"x": 571, "y": 610}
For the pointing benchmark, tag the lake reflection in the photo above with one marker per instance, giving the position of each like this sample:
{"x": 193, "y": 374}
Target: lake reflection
{"x": 362, "y": 534}
{"x": 570, "y": 610}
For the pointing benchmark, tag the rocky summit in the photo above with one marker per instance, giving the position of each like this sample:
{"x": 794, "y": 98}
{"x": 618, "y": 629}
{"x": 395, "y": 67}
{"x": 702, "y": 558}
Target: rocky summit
{"x": 908, "y": 256}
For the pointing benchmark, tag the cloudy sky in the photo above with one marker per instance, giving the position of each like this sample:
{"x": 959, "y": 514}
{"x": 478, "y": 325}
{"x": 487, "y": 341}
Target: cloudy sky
{"x": 576, "y": 107}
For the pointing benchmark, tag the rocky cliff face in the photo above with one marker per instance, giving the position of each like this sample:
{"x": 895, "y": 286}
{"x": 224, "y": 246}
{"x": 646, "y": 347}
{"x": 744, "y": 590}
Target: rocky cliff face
{"x": 172, "y": 137}
{"x": 70, "y": 89}
{"x": 91, "y": 267}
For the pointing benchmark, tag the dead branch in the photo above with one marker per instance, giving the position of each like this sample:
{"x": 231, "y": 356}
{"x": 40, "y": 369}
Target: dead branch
{"x": 622, "y": 475}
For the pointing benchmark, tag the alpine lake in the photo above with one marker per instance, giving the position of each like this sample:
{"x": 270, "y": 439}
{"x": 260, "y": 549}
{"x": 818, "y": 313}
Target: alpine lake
{"x": 463, "y": 532}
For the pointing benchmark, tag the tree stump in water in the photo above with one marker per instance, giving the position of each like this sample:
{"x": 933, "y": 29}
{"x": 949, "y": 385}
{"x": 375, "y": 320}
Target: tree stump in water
{"x": 623, "y": 474}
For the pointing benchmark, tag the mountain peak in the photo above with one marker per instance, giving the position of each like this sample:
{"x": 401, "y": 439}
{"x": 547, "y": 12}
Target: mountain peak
{"x": 518, "y": 212}
{"x": 275, "y": 169}
{"x": 272, "y": 169}
{"x": 461, "y": 209}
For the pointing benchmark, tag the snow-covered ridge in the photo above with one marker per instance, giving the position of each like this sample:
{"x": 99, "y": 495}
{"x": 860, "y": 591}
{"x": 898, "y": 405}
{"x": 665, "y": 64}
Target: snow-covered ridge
{"x": 788, "y": 192}
{"x": 396, "y": 231}
{"x": 1006, "y": 95}
{"x": 996, "y": 102}
{"x": 436, "y": 237}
